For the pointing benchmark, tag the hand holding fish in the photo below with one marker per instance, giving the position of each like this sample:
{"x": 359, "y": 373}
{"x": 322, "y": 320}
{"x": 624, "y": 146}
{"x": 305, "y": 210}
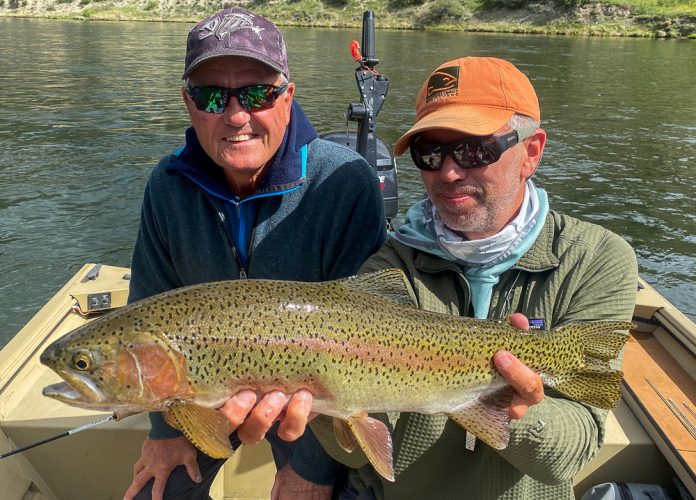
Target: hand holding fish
{"x": 527, "y": 385}
{"x": 159, "y": 457}
{"x": 529, "y": 390}
{"x": 253, "y": 425}
{"x": 252, "y": 420}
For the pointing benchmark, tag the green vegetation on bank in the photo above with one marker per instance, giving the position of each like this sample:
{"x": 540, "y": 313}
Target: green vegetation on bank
{"x": 639, "y": 18}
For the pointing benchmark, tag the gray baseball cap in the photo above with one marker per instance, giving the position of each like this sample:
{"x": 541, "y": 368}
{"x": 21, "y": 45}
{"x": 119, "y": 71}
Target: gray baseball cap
{"x": 236, "y": 32}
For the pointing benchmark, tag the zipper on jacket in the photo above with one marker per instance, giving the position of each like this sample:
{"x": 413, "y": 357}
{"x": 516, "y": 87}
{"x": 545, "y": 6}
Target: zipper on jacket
{"x": 222, "y": 217}
{"x": 241, "y": 231}
{"x": 251, "y": 246}
{"x": 242, "y": 269}
{"x": 507, "y": 304}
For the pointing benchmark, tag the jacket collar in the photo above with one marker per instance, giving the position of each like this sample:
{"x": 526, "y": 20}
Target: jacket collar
{"x": 541, "y": 257}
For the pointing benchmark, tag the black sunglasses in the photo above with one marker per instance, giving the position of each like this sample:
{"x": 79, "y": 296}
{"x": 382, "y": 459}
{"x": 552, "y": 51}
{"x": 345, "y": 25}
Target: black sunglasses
{"x": 251, "y": 98}
{"x": 472, "y": 152}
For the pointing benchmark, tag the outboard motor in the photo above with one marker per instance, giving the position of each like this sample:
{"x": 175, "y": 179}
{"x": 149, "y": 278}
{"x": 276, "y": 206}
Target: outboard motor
{"x": 373, "y": 91}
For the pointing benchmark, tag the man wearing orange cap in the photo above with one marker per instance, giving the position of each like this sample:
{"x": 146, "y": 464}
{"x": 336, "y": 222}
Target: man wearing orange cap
{"x": 483, "y": 242}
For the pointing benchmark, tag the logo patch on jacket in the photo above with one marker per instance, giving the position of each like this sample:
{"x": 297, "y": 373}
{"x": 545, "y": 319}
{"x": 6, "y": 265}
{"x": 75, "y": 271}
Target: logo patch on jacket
{"x": 537, "y": 324}
{"x": 443, "y": 83}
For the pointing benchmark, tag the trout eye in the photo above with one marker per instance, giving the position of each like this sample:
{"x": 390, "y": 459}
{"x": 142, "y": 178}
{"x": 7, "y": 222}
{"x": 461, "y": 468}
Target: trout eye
{"x": 82, "y": 361}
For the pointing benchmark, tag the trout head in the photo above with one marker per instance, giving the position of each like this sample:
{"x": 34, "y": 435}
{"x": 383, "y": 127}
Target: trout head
{"x": 114, "y": 364}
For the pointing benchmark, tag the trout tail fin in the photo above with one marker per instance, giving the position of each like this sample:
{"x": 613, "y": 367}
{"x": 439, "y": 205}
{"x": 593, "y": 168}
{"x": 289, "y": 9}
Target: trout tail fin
{"x": 596, "y": 383}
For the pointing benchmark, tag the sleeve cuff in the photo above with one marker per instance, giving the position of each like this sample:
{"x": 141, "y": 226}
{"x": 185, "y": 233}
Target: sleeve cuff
{"x": 160, "y": 429}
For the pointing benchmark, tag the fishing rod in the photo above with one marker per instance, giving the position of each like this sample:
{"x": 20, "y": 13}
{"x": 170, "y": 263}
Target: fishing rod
{"x": 61, "y": 435}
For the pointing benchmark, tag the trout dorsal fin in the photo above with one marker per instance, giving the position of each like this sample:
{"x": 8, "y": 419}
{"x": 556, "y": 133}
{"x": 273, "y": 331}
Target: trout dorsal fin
{"x": 390, "y": 284}
{"x": 208, "y": 430}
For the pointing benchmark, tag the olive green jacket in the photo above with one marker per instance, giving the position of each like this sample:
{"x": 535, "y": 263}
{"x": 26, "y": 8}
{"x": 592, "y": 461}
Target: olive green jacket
{"x": 575, "y": 271}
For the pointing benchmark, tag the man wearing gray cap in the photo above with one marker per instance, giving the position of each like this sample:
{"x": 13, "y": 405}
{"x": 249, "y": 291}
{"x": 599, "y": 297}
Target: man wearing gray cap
{"x": 252, "y": 193}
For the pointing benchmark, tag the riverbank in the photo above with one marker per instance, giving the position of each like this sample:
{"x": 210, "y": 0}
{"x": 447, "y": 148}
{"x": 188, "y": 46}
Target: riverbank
{"x": 634, "y": 18}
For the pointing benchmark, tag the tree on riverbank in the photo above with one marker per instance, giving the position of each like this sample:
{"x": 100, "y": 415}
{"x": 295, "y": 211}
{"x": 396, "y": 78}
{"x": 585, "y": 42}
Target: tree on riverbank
{"x": 645, "y": 18}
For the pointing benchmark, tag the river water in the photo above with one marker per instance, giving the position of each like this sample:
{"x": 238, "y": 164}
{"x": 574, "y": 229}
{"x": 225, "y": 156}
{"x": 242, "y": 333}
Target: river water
{"x": 87, "y": 109}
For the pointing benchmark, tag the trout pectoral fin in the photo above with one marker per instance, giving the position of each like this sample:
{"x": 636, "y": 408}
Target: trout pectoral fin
{"x": 171, "y": 419}
{"x": 344, "y": 435}
{"x": 208, "y": 430}
{"x": 375, "y": 440}
{"x": 487, "y": 417}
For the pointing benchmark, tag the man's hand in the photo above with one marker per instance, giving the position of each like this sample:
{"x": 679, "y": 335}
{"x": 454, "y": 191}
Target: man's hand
{"x": 289, "y": 485}
{"x": 157, "y": 459}
{"x": 252, "y": 421}
{"x": 519, "y": 320}
{"x": 527, "y": 385}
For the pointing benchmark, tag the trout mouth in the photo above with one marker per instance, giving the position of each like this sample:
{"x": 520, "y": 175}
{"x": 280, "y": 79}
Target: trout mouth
{"x": 77, "y": 390}
{"x": 65, "y": 393}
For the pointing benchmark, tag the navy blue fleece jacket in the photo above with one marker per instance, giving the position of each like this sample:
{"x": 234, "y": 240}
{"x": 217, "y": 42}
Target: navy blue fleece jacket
{"x": 317, "y": 215}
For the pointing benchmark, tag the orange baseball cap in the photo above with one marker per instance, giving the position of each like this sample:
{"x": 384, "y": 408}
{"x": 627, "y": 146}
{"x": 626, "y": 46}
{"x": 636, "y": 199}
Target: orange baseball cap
{"x": 473, "y": 95}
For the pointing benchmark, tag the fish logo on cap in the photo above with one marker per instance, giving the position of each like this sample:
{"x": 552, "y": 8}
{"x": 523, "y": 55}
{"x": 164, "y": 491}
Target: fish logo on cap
{"x": 228, "y": 24}
{"x": 443, "y": 83}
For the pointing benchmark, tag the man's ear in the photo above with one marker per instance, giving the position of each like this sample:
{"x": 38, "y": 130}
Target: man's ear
{"x": 187, "y": 101}
{"x": 535, "y": 148}
{"x": 285, "y": 99}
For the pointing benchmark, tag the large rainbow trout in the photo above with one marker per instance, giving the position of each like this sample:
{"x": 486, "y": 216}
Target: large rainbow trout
{"x": 358, "y": 344}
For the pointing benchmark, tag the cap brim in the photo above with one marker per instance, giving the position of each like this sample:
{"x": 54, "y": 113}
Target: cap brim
{"x": 465, "y": 119}
{"x": 231, "y": 52}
